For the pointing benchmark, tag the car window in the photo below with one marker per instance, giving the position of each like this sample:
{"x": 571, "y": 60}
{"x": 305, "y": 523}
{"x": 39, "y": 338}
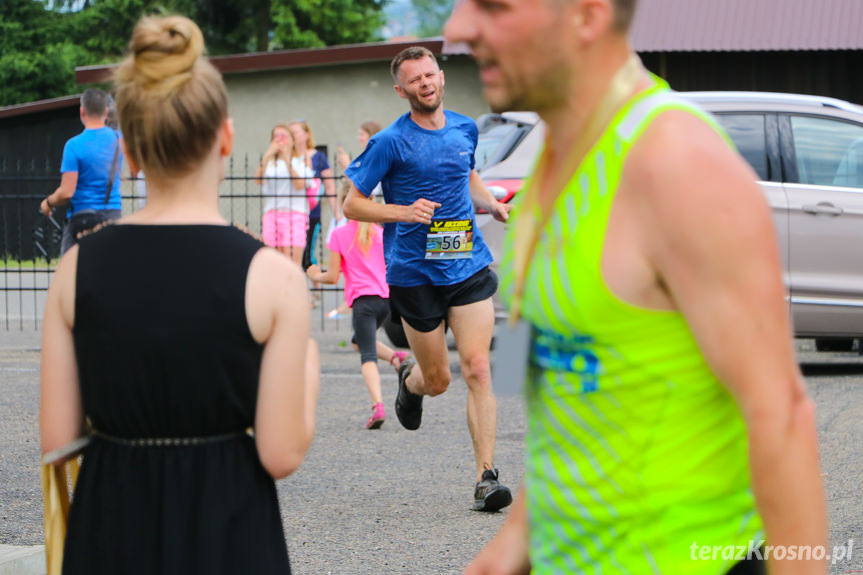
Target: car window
{"x": 829, "y": 152}
{"x": 498, "y": 137}
{"x": 490, "y": 141}
{"x": 748, "y": 134}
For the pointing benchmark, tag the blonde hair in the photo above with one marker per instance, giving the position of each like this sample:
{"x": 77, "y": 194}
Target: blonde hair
{"x": 363, "y": 237}
{"x": 371, "y": 127}
{"x": 287, "y": 129}
{"x": 171, "y": 102}
{"x": 624, "y": 12}
{"x": 310, "y": 143}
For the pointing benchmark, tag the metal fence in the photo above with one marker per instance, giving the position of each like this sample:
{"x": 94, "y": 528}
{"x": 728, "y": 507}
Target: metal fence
{"x": 30, "y": 242}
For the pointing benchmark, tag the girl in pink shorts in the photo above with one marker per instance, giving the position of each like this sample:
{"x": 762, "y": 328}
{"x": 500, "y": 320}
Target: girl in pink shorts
{"x": 283, "y": 179}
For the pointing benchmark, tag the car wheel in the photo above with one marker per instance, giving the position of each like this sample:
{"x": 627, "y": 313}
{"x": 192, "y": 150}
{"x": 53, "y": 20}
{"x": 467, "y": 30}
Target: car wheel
{"x": 834, "y": 344}
{"x": 395, "y": 332}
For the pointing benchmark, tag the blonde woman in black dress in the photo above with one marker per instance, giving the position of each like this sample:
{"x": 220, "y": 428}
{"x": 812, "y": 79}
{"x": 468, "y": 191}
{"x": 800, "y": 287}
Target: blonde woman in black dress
{"x": 182, "y": 342}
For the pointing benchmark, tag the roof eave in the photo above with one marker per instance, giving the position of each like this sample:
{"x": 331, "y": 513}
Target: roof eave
{"x": 283, "y": 59}
{"x": 40, "y": 106}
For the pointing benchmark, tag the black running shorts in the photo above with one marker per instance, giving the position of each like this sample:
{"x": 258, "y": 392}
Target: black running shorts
{"x": 425, "y": 307}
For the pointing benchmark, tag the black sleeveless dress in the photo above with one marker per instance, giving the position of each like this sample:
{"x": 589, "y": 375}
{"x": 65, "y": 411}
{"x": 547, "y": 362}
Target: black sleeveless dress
{"x": 164, "y": 351}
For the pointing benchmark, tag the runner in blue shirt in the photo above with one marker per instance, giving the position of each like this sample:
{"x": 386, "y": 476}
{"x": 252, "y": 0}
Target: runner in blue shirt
{"x": 437, "y": 261}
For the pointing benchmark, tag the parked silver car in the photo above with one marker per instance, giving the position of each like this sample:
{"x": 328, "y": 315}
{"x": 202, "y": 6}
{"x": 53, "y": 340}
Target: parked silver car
{"x": 808, "y": 154}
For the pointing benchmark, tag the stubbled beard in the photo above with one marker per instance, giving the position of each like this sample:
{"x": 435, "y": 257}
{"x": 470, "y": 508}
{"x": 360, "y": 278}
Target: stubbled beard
{"x": 545, "y": 93}
{"x": 418, "y": 105}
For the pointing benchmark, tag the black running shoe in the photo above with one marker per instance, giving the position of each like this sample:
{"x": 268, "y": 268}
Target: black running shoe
{"x": 409, "y": 406}
{"x": 489, "y": 494}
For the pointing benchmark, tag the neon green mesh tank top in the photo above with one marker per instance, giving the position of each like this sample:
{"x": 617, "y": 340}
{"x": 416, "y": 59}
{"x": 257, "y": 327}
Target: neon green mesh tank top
{"x": 634, "y": 450}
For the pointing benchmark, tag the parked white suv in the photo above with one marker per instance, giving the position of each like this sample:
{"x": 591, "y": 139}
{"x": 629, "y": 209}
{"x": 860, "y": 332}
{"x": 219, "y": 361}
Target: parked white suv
{"x": 808, "y": 154}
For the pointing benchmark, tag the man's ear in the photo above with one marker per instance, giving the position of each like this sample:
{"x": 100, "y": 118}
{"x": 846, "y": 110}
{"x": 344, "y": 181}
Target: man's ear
{"x": 226, "y": 138}
{"x": 442, "y": 79}
{"x": 591, "y": 18}
{"x": 400, "y": 92}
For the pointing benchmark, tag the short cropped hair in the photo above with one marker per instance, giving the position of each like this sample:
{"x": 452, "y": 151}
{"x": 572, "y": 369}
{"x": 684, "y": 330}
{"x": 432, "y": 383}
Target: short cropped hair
{"x": 95, "y": 102}
{"x": 412, "y": 53}
{"x": 624, "y": 11}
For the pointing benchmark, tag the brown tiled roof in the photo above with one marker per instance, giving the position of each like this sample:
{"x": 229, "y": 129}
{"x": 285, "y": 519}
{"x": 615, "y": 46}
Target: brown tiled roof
{"x": 747, "y": 25}
{"x": 281, "y": 59}
{"x": 41, "y": 106}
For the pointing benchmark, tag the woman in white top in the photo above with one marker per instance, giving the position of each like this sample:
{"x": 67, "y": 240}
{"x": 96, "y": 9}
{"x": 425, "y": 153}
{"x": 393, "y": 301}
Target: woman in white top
{"x": 283, "y": 179}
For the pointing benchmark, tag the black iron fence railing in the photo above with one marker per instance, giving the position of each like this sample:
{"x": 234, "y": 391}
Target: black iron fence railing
{"x": 30, "y": 241}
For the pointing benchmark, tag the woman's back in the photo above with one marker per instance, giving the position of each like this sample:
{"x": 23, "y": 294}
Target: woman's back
{"x": 364, "y": 269}
{"x": 163, "y": 308}
{"x": 169, "y": 371}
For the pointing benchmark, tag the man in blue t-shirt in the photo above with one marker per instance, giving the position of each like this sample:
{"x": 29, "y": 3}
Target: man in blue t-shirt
{"x": 437, "y": 261}
{"x": 90, "y": 172}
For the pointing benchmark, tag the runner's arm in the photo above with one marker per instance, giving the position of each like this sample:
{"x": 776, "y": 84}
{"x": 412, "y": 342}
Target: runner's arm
{"x": 483, "y": 198}
{"x": 364, "y": 209}
{"x": 714, "y": 251}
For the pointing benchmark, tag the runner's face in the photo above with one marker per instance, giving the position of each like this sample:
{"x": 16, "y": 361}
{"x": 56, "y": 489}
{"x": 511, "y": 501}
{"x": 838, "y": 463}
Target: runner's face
{"x": 517, "y": 45}
{"x": 421, "y": 84}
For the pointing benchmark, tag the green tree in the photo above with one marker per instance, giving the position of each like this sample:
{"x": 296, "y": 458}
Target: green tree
{"x": 315, "y": 23}
{"x": 35, "y": 57}
{"x": 432, "y": 15}
{"x": 42, "y": 41}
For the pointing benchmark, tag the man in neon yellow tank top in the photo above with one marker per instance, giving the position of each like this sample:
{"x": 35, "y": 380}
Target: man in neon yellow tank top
{"x": 666, "y": 410}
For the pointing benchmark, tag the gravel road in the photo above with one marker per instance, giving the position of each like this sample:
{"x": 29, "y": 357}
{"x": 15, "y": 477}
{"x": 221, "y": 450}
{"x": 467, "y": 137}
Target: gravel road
{"x": 393, "y": 501}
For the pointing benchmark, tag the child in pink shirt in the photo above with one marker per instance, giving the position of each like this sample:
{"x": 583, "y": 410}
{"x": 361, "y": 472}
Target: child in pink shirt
{"x": 357, "y": 251}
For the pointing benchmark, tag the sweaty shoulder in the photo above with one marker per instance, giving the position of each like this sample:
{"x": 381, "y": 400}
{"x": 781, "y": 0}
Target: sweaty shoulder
{"x": 680, "y": 153}
{"x": 689, "y": 188}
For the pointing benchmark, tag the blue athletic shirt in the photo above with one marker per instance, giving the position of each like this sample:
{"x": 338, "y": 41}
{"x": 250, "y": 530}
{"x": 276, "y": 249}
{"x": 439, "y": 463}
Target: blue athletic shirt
{"x": 91, "y": 154}
{"x": 410, "y": 163}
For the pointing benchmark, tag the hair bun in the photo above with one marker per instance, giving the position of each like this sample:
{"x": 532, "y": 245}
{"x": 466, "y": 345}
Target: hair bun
{"x": 165, "y": 48}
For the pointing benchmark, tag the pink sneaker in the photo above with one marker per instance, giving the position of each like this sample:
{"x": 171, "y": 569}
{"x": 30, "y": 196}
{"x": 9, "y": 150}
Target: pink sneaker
{"x": 400, "y": 356}
{"x": 378, "y": 416}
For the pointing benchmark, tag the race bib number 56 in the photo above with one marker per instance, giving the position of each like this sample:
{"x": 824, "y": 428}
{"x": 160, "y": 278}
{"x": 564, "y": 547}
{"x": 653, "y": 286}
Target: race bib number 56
{"x": 449, "y": 239}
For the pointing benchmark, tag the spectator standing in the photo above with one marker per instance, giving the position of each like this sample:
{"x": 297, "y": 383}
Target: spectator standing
{"x": 167, "y": 336}
{"x": 284, "y": 177}
{"x": 665, "y": 405}
{"x": 90, "y": 170}
{"x": 305, "y": 146}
